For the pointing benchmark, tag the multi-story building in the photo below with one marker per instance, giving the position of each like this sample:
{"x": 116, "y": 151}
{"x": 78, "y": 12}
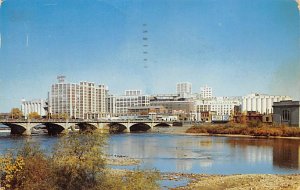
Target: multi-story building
{"x": 184, "y": 89}
{"x": 261, "y": 103}
{"x": 37, "y": 106}
{"x": 92, "y": 100}
{"x": 174, "y": 105}
{"x": 206, "y": 92}
{"x": 147, "y": 110}
{"x": 65, "y": 99}
{"x": 84, "y": 100}
{"x": 110, "y": 105}
{"x": 219, "y": 105}
{"x": 130, "y": 99}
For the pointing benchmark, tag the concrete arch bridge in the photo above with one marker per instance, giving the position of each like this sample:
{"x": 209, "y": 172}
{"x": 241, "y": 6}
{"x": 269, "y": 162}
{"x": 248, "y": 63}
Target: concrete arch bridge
{"x": 55, "y": 127}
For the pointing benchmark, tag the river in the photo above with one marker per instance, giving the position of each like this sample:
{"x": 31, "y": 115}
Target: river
{"x": 193, "y": 154}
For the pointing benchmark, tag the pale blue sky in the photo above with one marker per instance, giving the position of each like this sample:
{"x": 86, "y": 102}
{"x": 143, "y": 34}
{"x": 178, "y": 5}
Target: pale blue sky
{"x": 235, "y": 46}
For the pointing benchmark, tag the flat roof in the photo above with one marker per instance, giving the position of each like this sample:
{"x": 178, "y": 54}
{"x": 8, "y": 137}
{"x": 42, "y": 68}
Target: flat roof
{"x": 286, "y": 103}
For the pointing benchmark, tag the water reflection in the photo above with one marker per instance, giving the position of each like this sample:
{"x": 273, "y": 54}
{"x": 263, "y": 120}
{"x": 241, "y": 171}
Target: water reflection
{"x": 284, "y": 153}
{"x": 225, "y": 155}
{"x": 195, "y": 154}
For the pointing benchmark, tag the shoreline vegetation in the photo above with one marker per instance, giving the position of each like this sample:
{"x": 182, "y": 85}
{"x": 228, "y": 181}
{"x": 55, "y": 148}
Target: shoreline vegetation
{"x": 77, "y": 161}
{"x": 263, "y": 131}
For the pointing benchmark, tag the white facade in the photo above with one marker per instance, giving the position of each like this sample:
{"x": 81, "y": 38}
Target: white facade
{"x": 122, "y": 103}
{"x": 84, "y": 100}
{"x": 28, "y": 107}
{"x": 110, "y": 105}
{"x": 206, "y": 92}
{"x": 261, "y": 103}
{"x": 184, "y": 89}
{"x": 221, "y": 105}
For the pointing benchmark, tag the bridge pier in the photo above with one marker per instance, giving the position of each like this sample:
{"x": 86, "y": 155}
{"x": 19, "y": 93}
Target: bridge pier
{"x": 127, "y": 130}
{"x": 20, "y": 131}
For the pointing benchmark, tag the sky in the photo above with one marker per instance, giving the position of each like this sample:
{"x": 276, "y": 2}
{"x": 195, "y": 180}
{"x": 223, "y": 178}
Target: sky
{"x": 236, "y": 47}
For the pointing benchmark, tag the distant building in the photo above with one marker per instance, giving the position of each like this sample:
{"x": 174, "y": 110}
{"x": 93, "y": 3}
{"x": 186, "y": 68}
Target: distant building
{"x": 206, "y": 116}
{"x": 261, "y": 103}
{"x": 287, "y": 112}
{"x": 220, "y": 105}
{"x": 28, "y": 107}
{"x": 85, "y": 100}
{"x": 132, "y": 98}
{"x": 249, "y": 116}
{"x": 133, "y": 92}
{"x": 147, "y": 110}
{"x": 175, "y": 105}
{"x": 4, "y": 115}
{"x": 184, "y": 89}
{"x": 268, "y": 118}
{"x": 206, "y": 92}
{"x": 110, "y": 105}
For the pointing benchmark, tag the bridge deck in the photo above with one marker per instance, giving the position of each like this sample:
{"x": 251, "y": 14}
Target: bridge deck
{"x": 85, "y": 121}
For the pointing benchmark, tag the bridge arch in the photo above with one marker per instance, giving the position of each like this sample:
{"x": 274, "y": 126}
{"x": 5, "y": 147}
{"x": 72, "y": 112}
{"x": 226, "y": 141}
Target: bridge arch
{"x": 162, "y": 124}
{"x": 86, "y": 126}
{"x": 117, "y": 128}
{"x": 139, "y": 127}
{"x": 54, "y": 128}
{"x": 20, "y": 128}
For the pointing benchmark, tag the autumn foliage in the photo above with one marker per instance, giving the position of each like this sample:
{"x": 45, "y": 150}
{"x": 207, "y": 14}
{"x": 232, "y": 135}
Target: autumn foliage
{"x": 77, "y": 162}
{"x": 250, "y": 129}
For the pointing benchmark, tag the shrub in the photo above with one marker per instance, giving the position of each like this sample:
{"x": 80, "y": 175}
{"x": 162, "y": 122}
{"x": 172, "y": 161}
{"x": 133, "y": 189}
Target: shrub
{"x": 77, "y": 162}
{"x": 29, "y": 169}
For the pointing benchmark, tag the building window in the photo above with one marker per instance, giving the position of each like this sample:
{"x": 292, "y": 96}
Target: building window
{"x": 285, "y": 115}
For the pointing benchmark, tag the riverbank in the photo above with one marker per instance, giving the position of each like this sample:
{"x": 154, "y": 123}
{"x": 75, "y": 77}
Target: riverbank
{"x": 231, "y": 129}
{"x": 215, "y": 182}
{"x": 227, "y": 131}
{"x": 223, "y": 182}
{"x": 241, "y": 182}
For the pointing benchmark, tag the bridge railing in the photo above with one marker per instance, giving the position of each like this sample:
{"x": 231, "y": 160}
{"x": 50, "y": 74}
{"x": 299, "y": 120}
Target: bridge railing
{"x": 83, "y": 120}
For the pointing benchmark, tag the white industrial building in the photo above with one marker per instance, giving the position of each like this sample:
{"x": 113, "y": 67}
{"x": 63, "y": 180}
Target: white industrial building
{"x": 37, "y": 106}
{"x": 84, "y": 100}
{"x": 261, "y": 103}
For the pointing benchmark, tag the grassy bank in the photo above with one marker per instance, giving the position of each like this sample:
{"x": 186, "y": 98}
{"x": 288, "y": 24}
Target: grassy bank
{"x": 231, "y": 129}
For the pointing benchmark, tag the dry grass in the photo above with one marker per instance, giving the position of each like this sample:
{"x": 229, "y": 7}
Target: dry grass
{"x": 247, "y": 182}
{"x": 261, "y": 130}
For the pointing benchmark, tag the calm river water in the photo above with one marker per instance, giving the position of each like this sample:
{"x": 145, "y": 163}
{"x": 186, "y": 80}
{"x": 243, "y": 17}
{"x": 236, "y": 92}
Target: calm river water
{"x": 193, "y": 154}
